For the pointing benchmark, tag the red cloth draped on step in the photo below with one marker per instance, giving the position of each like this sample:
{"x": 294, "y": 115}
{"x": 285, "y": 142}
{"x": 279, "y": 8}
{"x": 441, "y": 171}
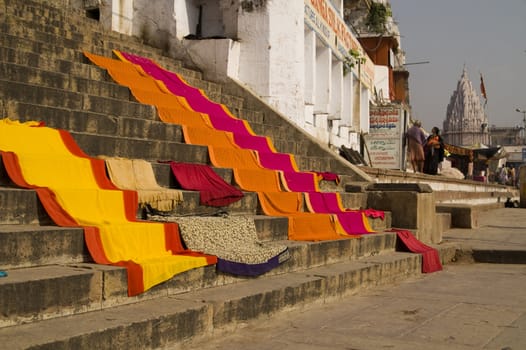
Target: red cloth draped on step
{"x": 213, "y": 190}
{"x": 430, "y": 258}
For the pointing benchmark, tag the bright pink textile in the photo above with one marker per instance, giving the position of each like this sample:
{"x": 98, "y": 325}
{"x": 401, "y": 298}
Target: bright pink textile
{"x": 258, "y": 143}
{"x": 430, "y": 258}
{"x": 328, "y": 176}
{"x": 243, "y": 136}
{"x": 325, "y": 202}
{"x": 213, "y": 190}
{"x": 196, "y": 99}
{"x": 299, "y": 181}
{"x": 352, "y": 221}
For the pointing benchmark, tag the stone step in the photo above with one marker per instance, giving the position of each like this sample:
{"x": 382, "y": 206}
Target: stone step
{"x": 151, "y": 150}
{"x": 48, "y": 23}
{"x": 69, "y": 53}
{"x": 23, "y": 207}
{"x": 50, "y": 63}
{"x": 169, "y": 320}
{"x": 40, "y": 95}
{"x": 56, "y": 290}
{"x": 37, "y": 245}
{"x": 20, "y": 207}
{"x": 466, "y": 215}
{"x": 305, "y": 162}
{"x": 446, "y": 197}
{"x": 65, "y": 81}
{"x": 95, "y": 123}
{"x": 92, "y": 81}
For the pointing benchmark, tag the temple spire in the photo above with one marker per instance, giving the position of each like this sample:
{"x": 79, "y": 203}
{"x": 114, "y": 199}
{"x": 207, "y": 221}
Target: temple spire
{"x": 466, "y": 122}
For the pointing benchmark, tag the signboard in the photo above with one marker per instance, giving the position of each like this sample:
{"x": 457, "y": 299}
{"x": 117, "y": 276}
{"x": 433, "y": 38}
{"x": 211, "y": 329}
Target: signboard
{"x": 384, "y": 141}
{"x": 323, "y": 18}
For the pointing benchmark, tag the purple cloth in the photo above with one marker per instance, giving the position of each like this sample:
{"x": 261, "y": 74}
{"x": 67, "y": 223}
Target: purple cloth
{"x": 244, "y": 269}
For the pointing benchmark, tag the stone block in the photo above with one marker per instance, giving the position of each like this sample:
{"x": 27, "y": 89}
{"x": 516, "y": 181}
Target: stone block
{"x": 410, "y": 210}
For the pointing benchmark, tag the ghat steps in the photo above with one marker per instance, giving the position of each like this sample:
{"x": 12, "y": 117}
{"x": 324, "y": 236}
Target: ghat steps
{"x": 55, "y": 297}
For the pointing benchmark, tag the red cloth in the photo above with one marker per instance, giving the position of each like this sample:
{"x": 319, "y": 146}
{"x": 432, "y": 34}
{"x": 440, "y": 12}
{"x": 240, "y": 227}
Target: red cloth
{"x": 214, "y": 191}
{"x": 430, "y": 258}
{"x": 328, "y": 176}
{"x": 373, "y": 213}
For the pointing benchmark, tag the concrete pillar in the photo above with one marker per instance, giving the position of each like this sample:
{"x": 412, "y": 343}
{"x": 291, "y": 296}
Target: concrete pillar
{"x": 412, "y": 207}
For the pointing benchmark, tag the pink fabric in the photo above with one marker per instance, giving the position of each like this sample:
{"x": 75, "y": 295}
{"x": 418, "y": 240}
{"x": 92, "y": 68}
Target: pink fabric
{"x": 325, "y": 202}
{"x": 221, "y": 120}
{"x": 213, "y": 190}
{"x": 258, "y": 143}
{"x": 300, "y": 181}
{"x": 352, "y": 221}
{"x": 197, "y": 101}
{"x": 328, "y": 176}
{"x": 276, "y": 161}
{"x": 430, "y": 258}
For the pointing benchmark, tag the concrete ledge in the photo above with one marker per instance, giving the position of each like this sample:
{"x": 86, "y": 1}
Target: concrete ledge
{"x": 500, "y": 256}
{"x": 443, "y": 221}
{"x": 466, "y": 215}
{"x": 170, "y": 320}
{"x": 412, "y": 187}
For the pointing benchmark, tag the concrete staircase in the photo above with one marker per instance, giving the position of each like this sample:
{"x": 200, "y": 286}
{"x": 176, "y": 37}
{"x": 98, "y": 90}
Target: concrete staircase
{"x": 54, "y": 295}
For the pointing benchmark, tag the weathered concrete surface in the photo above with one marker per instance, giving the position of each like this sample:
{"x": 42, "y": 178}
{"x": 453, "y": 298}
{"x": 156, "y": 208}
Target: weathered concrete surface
{"x": 468, "y": 306}
{"x": 465, "y": 306}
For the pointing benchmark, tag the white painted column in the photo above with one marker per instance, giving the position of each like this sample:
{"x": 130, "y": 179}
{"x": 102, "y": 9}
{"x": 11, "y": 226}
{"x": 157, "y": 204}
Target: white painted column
{"x": 323, "y": 78}
{"x": 122, "y": 16}
{"x": 364, "y": 108}
{"x": 310, "y": 75}
{"x": 336, "y": 91}
{"x": 347, "y": 100}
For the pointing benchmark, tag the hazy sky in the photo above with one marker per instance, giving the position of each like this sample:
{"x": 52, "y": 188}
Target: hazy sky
{"x": 488, "y": 36}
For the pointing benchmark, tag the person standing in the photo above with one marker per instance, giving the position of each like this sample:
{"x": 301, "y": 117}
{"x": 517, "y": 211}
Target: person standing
{"x": 415, "y": 140}
{"x": 433, "y": 152}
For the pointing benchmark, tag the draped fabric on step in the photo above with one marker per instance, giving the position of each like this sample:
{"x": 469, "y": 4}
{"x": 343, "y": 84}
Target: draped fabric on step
{"x": 75, "y": 191}
{"x": 233, "y": 240}
{"x": 352, "y": 221}
{"x": 219, "y": 115}
{"x": 137, "y": 175}
{"x": 251, "y": 163}
{"x": 213, "y": 190}
{"x": 302, "y": 226}
{"x": 430, "y": 257}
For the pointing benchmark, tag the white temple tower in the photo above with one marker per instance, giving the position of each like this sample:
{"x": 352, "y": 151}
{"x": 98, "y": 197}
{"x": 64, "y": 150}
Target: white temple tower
{"x": 466, "y": 123}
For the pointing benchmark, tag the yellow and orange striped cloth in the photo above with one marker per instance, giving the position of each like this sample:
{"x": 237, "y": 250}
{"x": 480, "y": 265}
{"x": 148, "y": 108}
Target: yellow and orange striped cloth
{"x": 75, "y": 191}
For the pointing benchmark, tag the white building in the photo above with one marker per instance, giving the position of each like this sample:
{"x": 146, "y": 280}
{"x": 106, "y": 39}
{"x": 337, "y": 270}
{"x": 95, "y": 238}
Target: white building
{"x": 295, "y": 55}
